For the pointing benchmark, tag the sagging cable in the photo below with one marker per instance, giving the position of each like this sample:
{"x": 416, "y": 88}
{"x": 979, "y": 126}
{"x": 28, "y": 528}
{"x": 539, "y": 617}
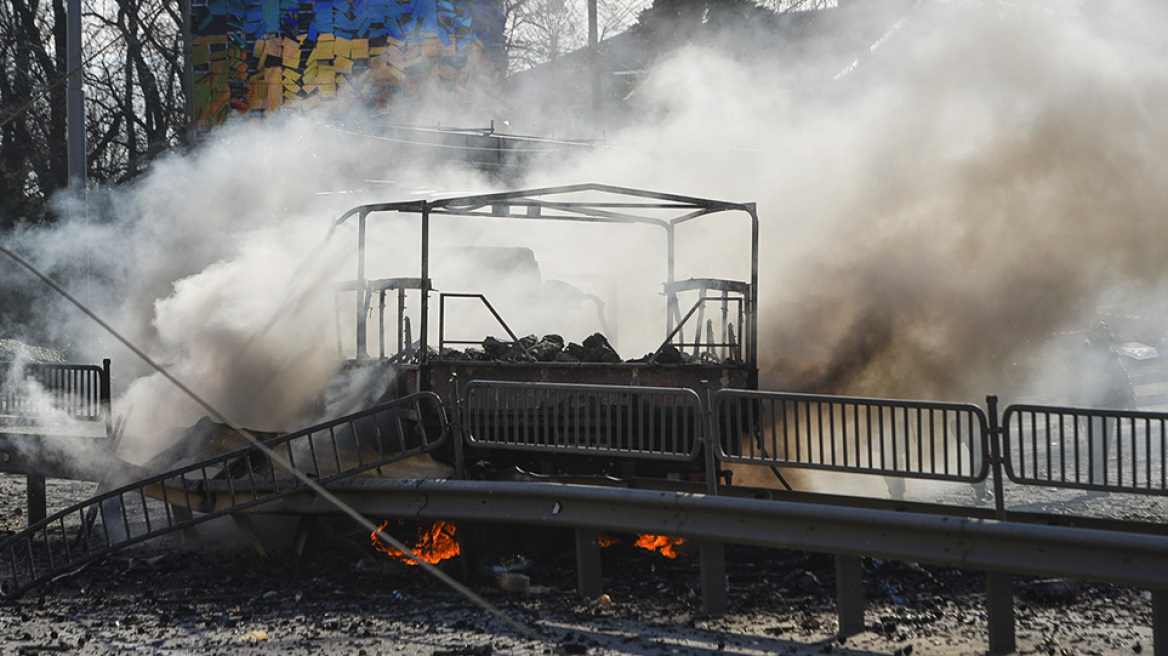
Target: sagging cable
{"x": 323, "y": 493}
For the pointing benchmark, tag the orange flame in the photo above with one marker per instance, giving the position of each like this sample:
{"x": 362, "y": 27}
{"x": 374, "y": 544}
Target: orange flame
{"x": 662, "y": 544}
{"x": 434, "y": 544}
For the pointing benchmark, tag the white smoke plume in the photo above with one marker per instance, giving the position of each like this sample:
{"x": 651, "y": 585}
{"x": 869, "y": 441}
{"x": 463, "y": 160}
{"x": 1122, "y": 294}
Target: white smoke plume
{"x": 988, "y": 176}
{"x": 216, "y": 264}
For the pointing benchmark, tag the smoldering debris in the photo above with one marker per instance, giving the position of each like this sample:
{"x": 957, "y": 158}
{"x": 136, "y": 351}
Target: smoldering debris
{"x": 551, "y": 348}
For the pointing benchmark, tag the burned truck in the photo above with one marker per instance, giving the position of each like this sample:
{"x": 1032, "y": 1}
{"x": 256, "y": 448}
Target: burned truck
{"x": 476, "y": 324}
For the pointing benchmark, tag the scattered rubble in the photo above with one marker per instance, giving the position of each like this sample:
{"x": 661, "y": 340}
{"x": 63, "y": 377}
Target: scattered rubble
{"x": 342, "y": 597}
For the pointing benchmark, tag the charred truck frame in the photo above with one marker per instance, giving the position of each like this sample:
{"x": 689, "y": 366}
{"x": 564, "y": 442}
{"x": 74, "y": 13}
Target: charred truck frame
{"x": 541, "y": 405}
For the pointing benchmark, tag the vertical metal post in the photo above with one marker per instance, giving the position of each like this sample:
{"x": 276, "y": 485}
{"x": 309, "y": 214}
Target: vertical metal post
{"x": 710, "y": 441}
{"x": 362, "y": 303}
{"x": 594, "y": 63}
{"x": 999, "y": 585}
{"x": 1160, "y": 622}
{"x": 671, "y": 310}
{"x": 712, "y": 553}
{"x": 381, "y": 323}
{"x": 37, "y": 498}
{"x": 75, "y": 97}
{"x": 714, "y": 598}
{"x": 1000, "y": 612}
{"x": 995, "y": 440}
{"x": 752, "y": 300}
{"x": 105, "y": 396}
{"x": 401, "y": 313}
{"x": 588, "y": 569}
{"x": 849, "y": 592}
{"x": 424, "y": 322}
{"x": 457, "y": 433}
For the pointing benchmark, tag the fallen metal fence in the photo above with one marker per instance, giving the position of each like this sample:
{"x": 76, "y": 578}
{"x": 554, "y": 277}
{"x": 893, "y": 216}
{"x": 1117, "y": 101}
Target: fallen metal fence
{"x": 80, "y": 391}
{"x": 1098, "y": 450}
{"x": 219, "y": 486}
{"x": 616, "y": 420}
{"x": 912, "y": 439}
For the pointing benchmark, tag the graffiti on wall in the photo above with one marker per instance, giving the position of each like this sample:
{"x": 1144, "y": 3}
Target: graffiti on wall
{"x": 253, "y": 57}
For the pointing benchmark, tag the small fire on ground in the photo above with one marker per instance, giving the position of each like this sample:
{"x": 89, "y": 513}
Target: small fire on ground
{"x": 434, "y": 543}
{"x": 662, "y": 544}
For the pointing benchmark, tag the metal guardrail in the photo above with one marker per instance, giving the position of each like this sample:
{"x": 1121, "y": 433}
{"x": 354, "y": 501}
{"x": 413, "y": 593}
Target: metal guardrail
{"x": 618, "y": 420}
{"x": 81, "y": 391}
{"x": 1099, "y": 450}
{"x": 218, "y": 486}
{"x": 912, "y": 439}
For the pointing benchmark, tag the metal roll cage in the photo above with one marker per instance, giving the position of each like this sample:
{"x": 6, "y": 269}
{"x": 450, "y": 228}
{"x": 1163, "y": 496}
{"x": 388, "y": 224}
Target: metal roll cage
{"x": 630, "y": 206}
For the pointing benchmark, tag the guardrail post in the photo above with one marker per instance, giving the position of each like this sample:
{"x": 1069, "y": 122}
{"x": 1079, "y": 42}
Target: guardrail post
{"x": 713, "y": 555}
{"x": 1160, "y": 622}
{"x": 588, "y": 569}
{"x": 1000, "y": 612}
{"x": 37, "y": 498}
{"x": 849, "y": 591}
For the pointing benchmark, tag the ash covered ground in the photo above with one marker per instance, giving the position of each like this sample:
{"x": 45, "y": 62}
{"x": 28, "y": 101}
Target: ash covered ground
{"x": 342, "y": 597}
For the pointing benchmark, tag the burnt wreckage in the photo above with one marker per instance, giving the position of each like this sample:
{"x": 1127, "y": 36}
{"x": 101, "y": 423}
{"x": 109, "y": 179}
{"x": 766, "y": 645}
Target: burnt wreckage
{"x": 502, "y": 408}
{"x": 542, "y": 403}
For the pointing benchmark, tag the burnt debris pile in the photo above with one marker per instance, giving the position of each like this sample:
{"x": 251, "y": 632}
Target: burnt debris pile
{"x": 551, "y": 348}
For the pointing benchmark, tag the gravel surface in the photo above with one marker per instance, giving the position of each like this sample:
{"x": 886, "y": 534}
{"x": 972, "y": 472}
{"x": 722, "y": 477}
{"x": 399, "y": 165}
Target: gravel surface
{"x": 342, "y": 597}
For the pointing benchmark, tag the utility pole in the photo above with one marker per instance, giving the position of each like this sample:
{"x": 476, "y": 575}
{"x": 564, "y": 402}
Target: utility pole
{"x": 75, "y": 98}
{"x": 594, "y": 64}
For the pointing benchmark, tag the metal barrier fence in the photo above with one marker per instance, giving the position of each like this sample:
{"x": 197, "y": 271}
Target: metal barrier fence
{"x": 638, "y": 422}
{"x": 912, "y": 439}
{"x": 1104, "y": 450}
{"x": 219, "y": 486}
{"x": 81, "y": 391}
{"x": 1101, "y": 450}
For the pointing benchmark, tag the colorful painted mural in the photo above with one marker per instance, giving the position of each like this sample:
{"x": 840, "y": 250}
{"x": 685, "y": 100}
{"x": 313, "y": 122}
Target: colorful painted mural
{"x": 252, "y": 57}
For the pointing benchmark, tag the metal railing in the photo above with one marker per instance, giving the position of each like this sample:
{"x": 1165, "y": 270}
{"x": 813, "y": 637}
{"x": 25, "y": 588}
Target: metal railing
{"x": 219, "y": 486}
{"x": 81, "y": 391}
{"x": 913, "y": 439}
{"x": 443, "y": 341}
{"x": 1100, "y": 450}
{"x": 617, "y": 420}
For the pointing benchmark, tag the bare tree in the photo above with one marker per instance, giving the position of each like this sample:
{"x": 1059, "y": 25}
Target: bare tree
{"x": 32, "y": 112}
{"x": 539, "y": 31}
{"x": 133, "y": 84}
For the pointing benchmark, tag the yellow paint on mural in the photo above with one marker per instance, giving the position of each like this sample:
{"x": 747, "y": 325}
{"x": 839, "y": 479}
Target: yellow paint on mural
{"x": 343, "y": 47}
{"x": 323, "y": 49}
{"x": 360, "y": 49}
{"x": 343, "y": 64}
{"x": 291, "y": 53}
